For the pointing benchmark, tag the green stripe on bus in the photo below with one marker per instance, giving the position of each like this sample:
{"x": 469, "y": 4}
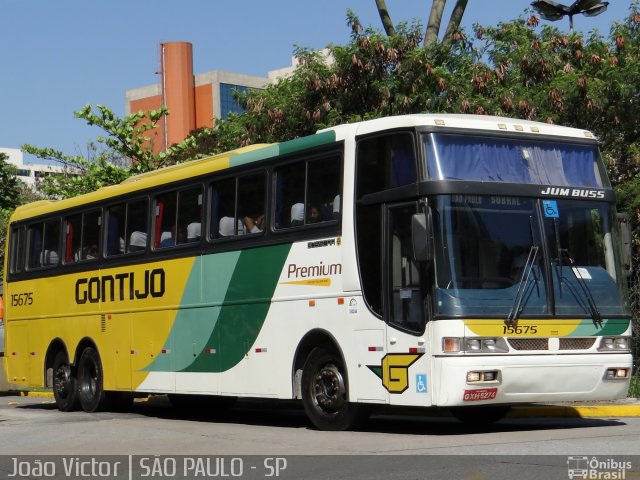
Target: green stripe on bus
{"x": 307, "y": 142}
{"x": 245, "y": 309}
{"x": 208, "y": 283}
{"x": 611, "y": 326}
{"x": 254, "y": 156}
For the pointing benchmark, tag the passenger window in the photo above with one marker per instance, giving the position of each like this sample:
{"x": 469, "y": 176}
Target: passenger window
{"x": 91, "y": 235}
{"x": 308, "y": 192}
{"x": 72, "y": 238}
{"x": 238, "y": 206}
{"x": 178, "y": 218}
{"x": 223, "y": 210}
{"x": 190, "y": 215}
{"x": 250, "y": 202}
{"x": 116, "y": 221}
{"x": 127, "y": 227}
{"x": 82, "y": 236}
{"x": 17, "y": 249}
{"x": 44, "y": 244}
{"x": 137, "y": 228}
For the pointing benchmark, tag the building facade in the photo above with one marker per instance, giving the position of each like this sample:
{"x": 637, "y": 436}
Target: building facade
{"x": 29, "y": 173}
{"x": 193, "y": 101}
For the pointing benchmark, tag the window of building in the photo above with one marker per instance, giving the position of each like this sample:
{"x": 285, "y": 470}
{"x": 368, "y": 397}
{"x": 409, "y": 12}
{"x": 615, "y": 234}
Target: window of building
{"x": 228, "y": 102}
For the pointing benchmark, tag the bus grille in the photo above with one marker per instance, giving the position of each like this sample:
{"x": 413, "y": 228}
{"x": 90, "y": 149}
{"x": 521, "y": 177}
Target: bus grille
{"x": 567, "y": 343}
{"x": 529, "y": 343}
{"x": 577, "y": 343}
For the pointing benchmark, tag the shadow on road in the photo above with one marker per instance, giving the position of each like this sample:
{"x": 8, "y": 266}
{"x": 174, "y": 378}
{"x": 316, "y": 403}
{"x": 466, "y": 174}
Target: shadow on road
{"x": 289, "y": 414}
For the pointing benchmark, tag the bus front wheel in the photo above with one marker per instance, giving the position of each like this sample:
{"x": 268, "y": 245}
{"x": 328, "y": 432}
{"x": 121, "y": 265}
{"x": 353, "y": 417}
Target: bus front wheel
{"x": 65, "y": 386}
{"x": 324, "y": 393}
{"x": 92, "y": 396}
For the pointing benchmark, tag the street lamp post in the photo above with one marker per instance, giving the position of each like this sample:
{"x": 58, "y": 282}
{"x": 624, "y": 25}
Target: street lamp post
{"x": 553, "y": 11}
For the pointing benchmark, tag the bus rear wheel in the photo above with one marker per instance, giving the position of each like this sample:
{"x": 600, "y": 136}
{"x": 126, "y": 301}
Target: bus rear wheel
{"x": 92, "y": 396}
{"x": 65, "y": 386}
{"x": 324, "y": 393}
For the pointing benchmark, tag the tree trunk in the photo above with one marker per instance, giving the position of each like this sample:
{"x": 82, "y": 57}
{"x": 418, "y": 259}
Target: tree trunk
{"x": 435, "y": 18}
{"x": 386, "y": 19}
{"x": 456, "y": 18}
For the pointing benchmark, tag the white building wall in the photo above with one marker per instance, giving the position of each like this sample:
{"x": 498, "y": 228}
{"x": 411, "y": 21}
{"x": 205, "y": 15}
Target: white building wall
{"x": 29, "y": 172}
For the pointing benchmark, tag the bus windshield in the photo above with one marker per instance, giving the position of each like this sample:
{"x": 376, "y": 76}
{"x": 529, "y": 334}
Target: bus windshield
{"x": 493, "y": 159}
{"x": 498, "y": 256}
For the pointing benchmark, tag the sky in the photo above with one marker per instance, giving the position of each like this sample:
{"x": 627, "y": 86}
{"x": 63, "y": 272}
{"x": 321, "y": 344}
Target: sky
{"x": 57, "y": 56}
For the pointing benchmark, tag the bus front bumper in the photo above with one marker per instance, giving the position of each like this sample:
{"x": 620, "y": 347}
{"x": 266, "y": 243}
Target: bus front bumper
{"x": 482, "y": 380}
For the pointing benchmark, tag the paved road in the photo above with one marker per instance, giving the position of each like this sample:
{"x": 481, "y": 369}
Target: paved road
{"x": 34, "y": 426}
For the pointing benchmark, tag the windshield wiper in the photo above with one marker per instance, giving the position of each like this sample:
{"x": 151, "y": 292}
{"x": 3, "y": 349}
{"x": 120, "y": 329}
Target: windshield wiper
{"x": 596, "y": 317}
{"x": 527, "y": 271}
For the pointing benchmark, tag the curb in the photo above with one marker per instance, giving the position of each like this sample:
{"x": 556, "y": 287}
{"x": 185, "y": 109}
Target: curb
{"x": 577, "y": 411}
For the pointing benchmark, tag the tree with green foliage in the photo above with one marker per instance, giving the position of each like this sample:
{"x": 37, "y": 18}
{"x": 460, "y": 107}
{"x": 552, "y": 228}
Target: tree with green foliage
{"x": 125, "y": 151}
{"x": 10, "y": 185}
{"x": 12, "y": 193}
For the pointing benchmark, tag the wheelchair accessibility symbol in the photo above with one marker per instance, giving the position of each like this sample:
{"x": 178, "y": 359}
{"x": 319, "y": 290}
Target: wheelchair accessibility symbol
{"x": 550, "y": 208}
{"x": 421, "y": 383}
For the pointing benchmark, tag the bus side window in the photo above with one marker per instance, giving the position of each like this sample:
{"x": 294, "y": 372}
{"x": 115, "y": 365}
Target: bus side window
{"x": 290, "y": 183}
{"x": 72, "y": 238}
{"x": 116, "y": 229}
{"x": 44, "y": 244}
{"x": 165, "y": 212}
{"x": 17, "y": 250}
{"x": 34, "y": 235}
{"x": 323, "y": 185}
{"x": 51, "y": 253}
{"x": 223, "y": 209}
{"x": 190, "y": 215}
{"x": 91, "y": 234}
{"x": 250, "y": 202}
{"x": 306, "y": 192}
{"x": 137, "y": 225}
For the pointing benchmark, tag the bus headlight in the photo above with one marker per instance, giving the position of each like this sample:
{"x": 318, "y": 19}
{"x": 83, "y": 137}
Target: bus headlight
{"x": 474, "y": 345}
{"x": 616, "y": 374}
{"x": 614, "y": 344}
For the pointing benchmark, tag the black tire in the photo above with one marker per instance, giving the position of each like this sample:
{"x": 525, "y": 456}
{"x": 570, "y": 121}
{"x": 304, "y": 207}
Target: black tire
{"x": 65, "y": 385}
{"x": 325, "y": 393}
{"x": 92, "y": 396}
{"x": 480, "y": 416}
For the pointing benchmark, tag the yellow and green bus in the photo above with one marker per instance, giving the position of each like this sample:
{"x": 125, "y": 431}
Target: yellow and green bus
{"x": 458, "y": 261}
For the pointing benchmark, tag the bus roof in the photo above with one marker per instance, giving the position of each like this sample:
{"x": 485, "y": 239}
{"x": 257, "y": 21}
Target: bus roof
{"x": 258, "y": 152}
{"x": 446, "y": 121}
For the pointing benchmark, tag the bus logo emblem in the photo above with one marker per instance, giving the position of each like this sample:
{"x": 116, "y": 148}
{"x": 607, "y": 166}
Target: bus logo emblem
{"x": 394, "y": 371}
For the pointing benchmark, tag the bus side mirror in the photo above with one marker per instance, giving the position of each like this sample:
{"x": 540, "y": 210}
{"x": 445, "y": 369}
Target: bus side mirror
{"x": 421, "y": 236}
{"x": 625, "y": 240}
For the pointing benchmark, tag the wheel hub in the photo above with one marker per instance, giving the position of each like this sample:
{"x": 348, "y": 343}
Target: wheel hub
{"x": 62, "y": 379}
{"x": 329, "y": 388}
